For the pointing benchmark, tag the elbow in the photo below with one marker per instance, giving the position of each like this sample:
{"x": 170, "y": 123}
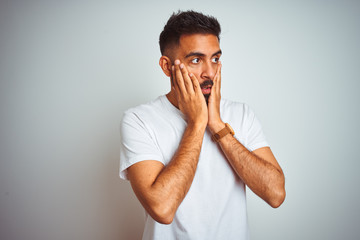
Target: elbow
{"x": 278, "y": 198}
{"x": 163, "y": 219}
{"x": 162, "y": 214}
{"x": 278, "y": 193}
{"x": 161, "y": 209}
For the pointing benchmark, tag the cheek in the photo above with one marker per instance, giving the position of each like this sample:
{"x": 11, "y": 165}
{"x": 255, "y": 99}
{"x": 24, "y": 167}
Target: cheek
{"x": 194, "y": 70}
{"x": 215, "y": 67}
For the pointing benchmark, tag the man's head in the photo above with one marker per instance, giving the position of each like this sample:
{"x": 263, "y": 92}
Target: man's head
{"x": 186, "y": 23}
{"x": 192, "y": 38}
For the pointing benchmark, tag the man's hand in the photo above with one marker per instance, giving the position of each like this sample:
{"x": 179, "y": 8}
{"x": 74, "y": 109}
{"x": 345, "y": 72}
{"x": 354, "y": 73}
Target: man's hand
{"x": 214, "y": 121}
{"x": 259, "y": 169}
{"x": 160, "y": 188}
{"x": 189, "y": 96}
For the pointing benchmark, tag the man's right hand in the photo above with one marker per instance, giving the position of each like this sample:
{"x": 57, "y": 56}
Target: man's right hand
{"x": 190, "y": 99}
{"x": 160, "y": 188}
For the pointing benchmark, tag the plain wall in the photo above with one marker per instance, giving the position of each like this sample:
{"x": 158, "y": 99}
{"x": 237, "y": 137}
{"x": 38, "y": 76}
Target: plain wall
{"x": 69, "y": 69}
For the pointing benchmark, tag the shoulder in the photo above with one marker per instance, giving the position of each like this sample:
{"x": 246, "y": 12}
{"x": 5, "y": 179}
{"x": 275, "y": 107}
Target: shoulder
{"x": 238, "y": 107}
{"x": 238, "y": 113}
{"x": 143, "y": 111}
{"x": 146, "y": 107}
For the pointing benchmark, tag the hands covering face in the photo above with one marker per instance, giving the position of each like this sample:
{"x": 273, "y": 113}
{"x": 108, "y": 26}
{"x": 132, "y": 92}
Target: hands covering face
{"x": 191, "y": 100}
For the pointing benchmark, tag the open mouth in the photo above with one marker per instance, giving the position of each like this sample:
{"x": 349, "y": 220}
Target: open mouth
{"x": 206, "y": 86}
{"x": 206, "y": 89}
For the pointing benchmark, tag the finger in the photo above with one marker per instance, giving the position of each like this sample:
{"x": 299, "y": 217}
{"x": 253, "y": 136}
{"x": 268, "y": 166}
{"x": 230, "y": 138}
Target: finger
{"x": 172, "y": 77}
{"x": 217, "y": 79}
{"x": 195, "y": 83}
{"x": 178, "y": 77}
{"x": 175, "y": 84}
{"x": 215, "y": 90}
{"x": 218, "y": 71}
{"x": 187, "y": 81}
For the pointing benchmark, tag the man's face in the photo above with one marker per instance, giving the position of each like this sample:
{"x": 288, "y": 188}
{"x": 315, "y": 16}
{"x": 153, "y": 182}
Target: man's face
{"x": 200, "y": 53}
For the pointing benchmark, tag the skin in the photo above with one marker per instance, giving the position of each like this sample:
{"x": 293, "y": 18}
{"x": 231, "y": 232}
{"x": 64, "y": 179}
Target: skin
{"x": 160, "y": 188}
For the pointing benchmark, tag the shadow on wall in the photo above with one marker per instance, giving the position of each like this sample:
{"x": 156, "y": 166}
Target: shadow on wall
{"x": 131, "y": 224}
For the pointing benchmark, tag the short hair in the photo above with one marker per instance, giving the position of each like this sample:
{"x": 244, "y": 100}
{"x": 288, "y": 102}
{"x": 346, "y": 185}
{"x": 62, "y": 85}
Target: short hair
{"x": 188, "y": 22}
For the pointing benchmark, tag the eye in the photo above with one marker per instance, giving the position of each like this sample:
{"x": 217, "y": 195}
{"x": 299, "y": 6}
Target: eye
{"x": 195, "y": 60}
{"x": 215, "y": 59}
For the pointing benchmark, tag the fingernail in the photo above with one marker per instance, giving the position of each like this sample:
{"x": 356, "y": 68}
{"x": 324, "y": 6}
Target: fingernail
{"x": 181, "y": 66}
{"x": 177, "y": 62}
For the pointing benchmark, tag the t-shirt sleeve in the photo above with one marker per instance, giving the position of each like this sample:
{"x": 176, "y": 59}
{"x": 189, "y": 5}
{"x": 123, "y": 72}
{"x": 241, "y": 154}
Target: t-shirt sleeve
{"x": 255, "y": 137}
{"x": 137, "y": 144}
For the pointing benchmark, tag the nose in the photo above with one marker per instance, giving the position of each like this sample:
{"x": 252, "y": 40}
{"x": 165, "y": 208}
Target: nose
{"x": 208, "y": 70}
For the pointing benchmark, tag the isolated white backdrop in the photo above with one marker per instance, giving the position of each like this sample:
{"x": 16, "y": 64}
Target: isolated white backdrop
{"x": 69, "y": 69}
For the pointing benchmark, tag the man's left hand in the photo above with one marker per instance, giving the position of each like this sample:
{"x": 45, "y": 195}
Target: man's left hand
{"x": 215, "y": 123}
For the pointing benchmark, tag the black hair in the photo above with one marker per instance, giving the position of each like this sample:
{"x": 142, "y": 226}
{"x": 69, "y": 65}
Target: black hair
{"x": 188, "y": 22}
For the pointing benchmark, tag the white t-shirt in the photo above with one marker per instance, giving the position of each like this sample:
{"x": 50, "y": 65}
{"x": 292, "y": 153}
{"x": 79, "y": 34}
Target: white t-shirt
{"x": 215, "y": 206}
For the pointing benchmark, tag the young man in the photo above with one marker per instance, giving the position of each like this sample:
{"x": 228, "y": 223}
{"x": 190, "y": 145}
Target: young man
{"x": 188, "y": 154}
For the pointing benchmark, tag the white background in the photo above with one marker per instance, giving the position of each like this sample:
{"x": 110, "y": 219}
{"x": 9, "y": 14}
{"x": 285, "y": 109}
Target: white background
{"x": 69, "y": 69}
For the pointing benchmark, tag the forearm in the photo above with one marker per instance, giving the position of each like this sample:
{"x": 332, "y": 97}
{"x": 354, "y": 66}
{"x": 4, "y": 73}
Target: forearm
{"x": 262, "y": 177}
{"x": 173, "y": 182}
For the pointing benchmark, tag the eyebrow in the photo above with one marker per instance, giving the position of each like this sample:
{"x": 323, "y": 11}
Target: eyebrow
{"x": 201, "y": 54}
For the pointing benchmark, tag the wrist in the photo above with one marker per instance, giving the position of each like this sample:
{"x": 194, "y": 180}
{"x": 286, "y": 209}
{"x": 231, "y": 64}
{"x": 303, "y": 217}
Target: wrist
{"x": 197, "y": 126}
{"x": 223, "y": 133}
{"x": 216, "y": 126}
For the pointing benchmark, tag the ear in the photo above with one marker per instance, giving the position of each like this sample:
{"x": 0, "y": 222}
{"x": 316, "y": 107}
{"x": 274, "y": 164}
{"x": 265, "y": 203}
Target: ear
{"x": 165, "y": 64}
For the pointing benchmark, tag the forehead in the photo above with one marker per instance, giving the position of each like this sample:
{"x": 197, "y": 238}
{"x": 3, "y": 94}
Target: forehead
{"x": 202, "y": 43}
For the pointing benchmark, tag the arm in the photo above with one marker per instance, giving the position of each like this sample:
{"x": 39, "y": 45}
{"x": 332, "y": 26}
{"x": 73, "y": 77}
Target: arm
{"x": 160, "y": 188}
{"x": 259, "y": 169}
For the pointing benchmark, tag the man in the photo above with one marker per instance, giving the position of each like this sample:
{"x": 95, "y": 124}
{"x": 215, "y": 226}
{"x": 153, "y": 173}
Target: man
{"x": 188, "y": 154}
